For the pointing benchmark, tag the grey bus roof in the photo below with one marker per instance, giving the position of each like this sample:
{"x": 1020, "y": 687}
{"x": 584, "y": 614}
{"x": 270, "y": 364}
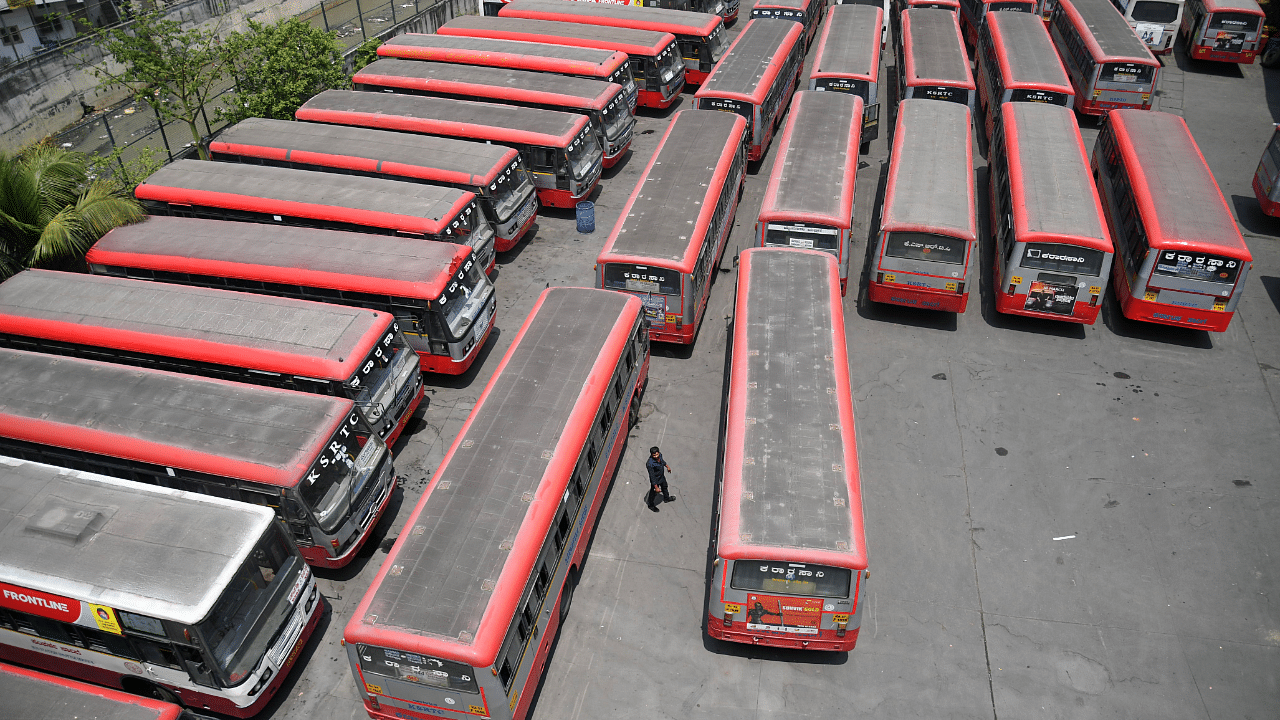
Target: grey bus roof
{"x": 671, "y": 195}
{"x": 854, "y": 41}
{"x": 556, "y": 28}
{"x": 936, "y": 50}
{"x": 652, "y": 14}
{"x": 274, "y": 432}
{"x": 934, "y": 174}
{"x": 503, "y": 118}
{"x": 467, "y": 524}
{"x": 144, "y": 549}
{"x": 595, "y": 56}
{"x": 23, "y": 697}
{"x": 795, "y": 4}
{"x": 1058, "y": 191}
{"x": 1111, "y": 31}
{"x": 787, "y": 492}
{"x": 478, "y": 160}
{"x": 505, "y": 78}
{"x": 1032, "y": 56}
{"x": 750, "y": 57}
{"x": 1221, "y": 5}
{"x": 179, "y": 314}
{"x": 817, "y": 154}
{"x": 305, "y": 186}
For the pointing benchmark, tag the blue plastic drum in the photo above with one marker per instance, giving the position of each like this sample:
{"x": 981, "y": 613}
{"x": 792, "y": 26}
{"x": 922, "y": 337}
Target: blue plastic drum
{"x": 586, "y": 217}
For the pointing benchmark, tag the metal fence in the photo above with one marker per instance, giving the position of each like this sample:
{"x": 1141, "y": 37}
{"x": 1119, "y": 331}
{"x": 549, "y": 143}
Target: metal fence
{"x": 355, "y": 21}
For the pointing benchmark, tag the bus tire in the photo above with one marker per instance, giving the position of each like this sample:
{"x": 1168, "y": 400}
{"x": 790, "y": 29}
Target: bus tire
{"x": 1270, "y": 58}
{"x": 145, "y": 688}
{"x": 566, "y": 594}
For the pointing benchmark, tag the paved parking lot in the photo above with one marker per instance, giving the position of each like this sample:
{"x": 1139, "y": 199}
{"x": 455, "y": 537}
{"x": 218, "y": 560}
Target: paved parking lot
{"x": 1063, "y": 521}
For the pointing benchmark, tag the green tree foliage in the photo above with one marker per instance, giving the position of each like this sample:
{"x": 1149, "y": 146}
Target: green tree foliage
{"x": 366, "y": 53}
{"x": 279, "y": 67}
{"x": 51, "y": 213}
{"x": 127, "y": 174}
{"x": 173, "y": 70}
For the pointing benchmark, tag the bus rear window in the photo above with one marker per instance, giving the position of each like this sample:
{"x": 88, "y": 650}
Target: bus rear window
{"x": 1131, "y": 73}
{"x": 414, "y": 668}
{"x": 1235, "y": 22}
{"x": 1197, "y": 266}
{"x": 1062, "y": 258}
{"x": 641, "y": 278}
{"x": 801, "y": 236}
{"x": 923, "y": 246}
{"x": 1155, "y": 12}
{"x": 1010, "y": 7}
{"x": 782, "y": 578}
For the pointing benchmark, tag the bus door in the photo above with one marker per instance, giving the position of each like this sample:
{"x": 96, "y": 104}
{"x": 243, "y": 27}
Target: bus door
{"x": 920, "y": 269}
{"x": 1266, "y": 180}
{"x": 1052, "y": 278}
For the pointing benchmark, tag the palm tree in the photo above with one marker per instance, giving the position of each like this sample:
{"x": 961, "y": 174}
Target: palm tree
{"x": 51, "y": 213}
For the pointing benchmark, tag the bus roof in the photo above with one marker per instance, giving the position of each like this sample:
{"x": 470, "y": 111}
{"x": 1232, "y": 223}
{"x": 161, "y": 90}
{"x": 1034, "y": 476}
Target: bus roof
{"x": 1191, "y": 212}
{"x": 421, "y": 157}
{"x": 127, "y": 545}
{"x": 855, "y": 49}
{"x": 934, "y": 46}
{"x": 628, "y": 40}
{"x": 476, "y": 121}
{"x": 1053, "y": 188}
{"x": 931, "y": 170}
{"x": 1249, "y": 7}
{"x": 30, "y": 695}
{"x": 479, "y": 527}
{"x": 676, "y": 22}
{"x": 489, "y": 83}
{"x": 748, "y": 67}
{"x": 562, "y": 59}
{"x": 1107, "y": 33}
{"x": 1031, "y": 57}
{"x": 678, "y": 192}
{"x": 273, "y": 334}
{"x": 386, "y": 265}
{"x": 219, "y": 427}
{"x": 791, "y": 476}
{"x": 814, "y": 174}
{"x": 791, "y": 4}
{"x": 375, "y": 202}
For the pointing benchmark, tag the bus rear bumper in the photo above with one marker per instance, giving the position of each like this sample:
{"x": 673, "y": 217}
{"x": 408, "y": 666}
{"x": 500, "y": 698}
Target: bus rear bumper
{"x": 682, "y": 335}
{"x": 1084, "y": 313}
{"x": 1270, "y": 207}
{"x": 824, "y": 640}
{"x": 1206, "y": 52}
{"x": 912, "y": 297}
{"x": 1136, "y": 309}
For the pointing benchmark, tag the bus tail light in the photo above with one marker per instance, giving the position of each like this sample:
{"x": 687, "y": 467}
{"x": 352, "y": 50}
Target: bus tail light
{"x": 879, "y": 278}
{"x": 1093, "y": 301}
{"x": 373, "y": 703}
{"x": 334, "y": 543}
{"x": 960, "y": 288}
{"x": 728, "y": 619}
{"x": 1012, "y": 289}
{"x": 840, "y": 628}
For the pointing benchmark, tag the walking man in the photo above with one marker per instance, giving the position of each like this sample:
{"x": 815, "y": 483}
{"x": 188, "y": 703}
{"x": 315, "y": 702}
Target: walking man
{"x": 658, "y": 470}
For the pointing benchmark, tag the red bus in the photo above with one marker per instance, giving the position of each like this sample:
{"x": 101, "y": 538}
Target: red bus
{"x": 1110, "y": 66}
{"x": 756, "y": 78}
{"x": 790, "y": 547}
{"x": 1018, "y": 63}
{"x": 1180, "y": 259}
{"x": 655, "y": 57}
{"x": 933, "y": 60}
{"x": 848, "y": 60}
{"x": 285, "y": 196}
{"x": 456, "y": 632}
{"x": 726, "y": 9}
{"x": 346, "y": 352}
{"x": 311, "y": 458}
{"x": 668, "y": 241}
{"x": 602, "y": 102}
{"x": 1223, "y": 30}
{"x": 608, "y": 65}
{"x": 928, "y": 230}
{"x": 181, "y": 597}
{"x": 974, "y": 14}
{"x": 808, "y": 202}
{"x": 560, "y": 149}
{"x": 502, "y": 185}
{"x": 806, "y": 12}
{"x": 1052, "y": 249}
{"x": 900, "y": 5}
{"x": 1266, "y": 179}
{"x": 700, "y": 35}
{"x": 437, "y": 292}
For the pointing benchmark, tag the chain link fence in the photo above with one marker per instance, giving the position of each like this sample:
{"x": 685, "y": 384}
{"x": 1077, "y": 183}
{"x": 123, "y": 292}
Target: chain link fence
{"x": 355, "y": 21}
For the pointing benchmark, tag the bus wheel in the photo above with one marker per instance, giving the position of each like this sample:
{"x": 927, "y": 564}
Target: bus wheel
{"x": 138, "y": 686}
{"x": 1271, "y": 54}
{"x": 566, "y": 595}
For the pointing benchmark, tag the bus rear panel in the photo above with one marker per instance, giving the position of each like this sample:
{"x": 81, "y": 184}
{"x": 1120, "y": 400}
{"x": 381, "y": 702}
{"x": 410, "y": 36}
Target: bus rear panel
{"x": 1223, "y": 30}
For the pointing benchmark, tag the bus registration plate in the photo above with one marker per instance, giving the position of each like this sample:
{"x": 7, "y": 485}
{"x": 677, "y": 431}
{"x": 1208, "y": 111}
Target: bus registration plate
{"x": 800, "y": 242}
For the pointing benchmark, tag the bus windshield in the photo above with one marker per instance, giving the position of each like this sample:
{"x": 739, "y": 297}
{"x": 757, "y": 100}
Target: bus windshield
{"x": 716, "y": 43}
{"x": 614, "y": 116}
{"x": 331, "y": 487}
{"x": 785, "y": 578}
{"x": 1197, "y": 266}
{"x": 926, "y": 246}
{"x": 1235, "y": 22}
{"x": 1010, "y": 7}
{"x": 374, "y": 379}
{"x": 254, "y": 605}
{"x": 622, "y": 76}
{"x": 669, "y": 63}
{"x": 580, "y": 156}
{"x": 1153, "y": 11}
{"x": 1063, "y": 258}
{"x": 800, "y": 236}
{"x": 465, "y": 297}
{"x": 464, "y": 224}
{"x": 1131, "y": 73}
{"x": 508, "y": 190}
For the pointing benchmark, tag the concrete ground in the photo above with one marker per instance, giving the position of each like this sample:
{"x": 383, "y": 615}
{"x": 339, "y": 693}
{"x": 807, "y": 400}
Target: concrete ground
{"x": 1063, "y": 522}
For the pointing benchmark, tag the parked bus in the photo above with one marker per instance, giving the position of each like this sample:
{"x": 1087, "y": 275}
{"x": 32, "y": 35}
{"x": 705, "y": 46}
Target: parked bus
{"x": 900, "y": 5}
{"x": 1180, "y": 259}
{"x": 1266, "y": 179}
{"x": 700, "y": 36}
{"x": 602, "y": 102}
{"x": 189, "y": 599}
{"x": 1018, "y": 63}
{"x": 275, "y": 342}
{"x": 581, "y": 62}
{"x": 312, "y": 459}
{"x": 974, "y": 13}
{"x": 438, "y": 293}
{"x": 726, "y": 9}
{"x": 655, "y": 57}
{"x": 1222, "y": 30}
{"x": 667, "y": 243}
{"x": 885, "y": 9}
{"x": 285, "y": 196}
{"x": 459, "y": 620}
{"x": 560, "y": 149}
{"x": 928, "y": 230}
{"x": 932, "y": 58}
{"x": 1052, "y": 249}
{"x": 806, "y": 12}
{"x": 848, "y": 60}
{"x": 790, "y": 547}
{"x": 756, "y": 79}
{"x": 1155, "y": 21}
{"x": 1109, "y": 66}
{"x": 502, "y": 184}
{"x": 808, "y": 202}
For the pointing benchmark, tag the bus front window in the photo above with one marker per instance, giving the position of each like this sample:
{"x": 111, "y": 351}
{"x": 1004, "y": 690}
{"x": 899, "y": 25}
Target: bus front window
{"x": 376, "y": 382}
{"x": 1010, "y": 7}
{"x": 669, "y": 63}
{"x": 623, "y": 77}
{"x": 510, "y": 191}
{"x": 715, "y": 44}
{"x": 582, "y": 154}
{"x": 342, "y": 471}
{"x": 255, "y": 604}
{"x": 464, "y": 298}
{"x": 1153, "y": 11}
{"x": 615, "y": 116}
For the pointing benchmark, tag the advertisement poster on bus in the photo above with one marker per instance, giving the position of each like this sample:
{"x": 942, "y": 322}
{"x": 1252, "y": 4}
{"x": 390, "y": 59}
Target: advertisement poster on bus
{"x": 794, "y": 615}
{"x": 655, "y": 308}
{"x": 1051, "y": 297}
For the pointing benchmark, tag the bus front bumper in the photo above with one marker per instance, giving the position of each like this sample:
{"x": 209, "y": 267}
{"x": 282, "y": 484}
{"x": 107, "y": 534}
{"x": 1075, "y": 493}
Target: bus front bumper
{"x": 823, "y": 640}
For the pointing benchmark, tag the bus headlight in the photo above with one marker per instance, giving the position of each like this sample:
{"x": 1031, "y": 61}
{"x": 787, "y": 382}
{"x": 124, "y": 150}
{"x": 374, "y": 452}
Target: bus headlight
{"x": 266, "y": 675}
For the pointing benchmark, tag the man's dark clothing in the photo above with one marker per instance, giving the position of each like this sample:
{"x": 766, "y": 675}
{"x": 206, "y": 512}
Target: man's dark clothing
{"x": 657, "y": 477}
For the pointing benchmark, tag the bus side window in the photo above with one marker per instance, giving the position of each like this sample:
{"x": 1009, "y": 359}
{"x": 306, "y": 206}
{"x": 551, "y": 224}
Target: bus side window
{"x": 562, "y": 530}
{"x": 543, "y": 158}
{"x": 106, "y": 643}
{"x": 542, "y": 583}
